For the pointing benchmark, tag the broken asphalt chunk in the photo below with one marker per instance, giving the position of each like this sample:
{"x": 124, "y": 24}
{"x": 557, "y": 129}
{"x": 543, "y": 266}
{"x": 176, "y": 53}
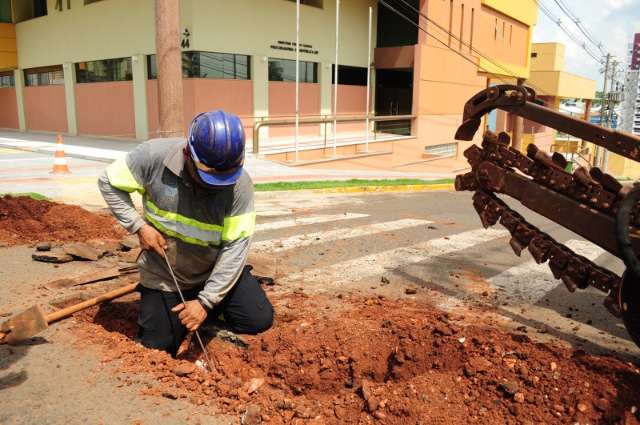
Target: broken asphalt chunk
{"x": 82, "y": 251}
{"x": 52, "y": 257}
{"x": 43, "y": 246}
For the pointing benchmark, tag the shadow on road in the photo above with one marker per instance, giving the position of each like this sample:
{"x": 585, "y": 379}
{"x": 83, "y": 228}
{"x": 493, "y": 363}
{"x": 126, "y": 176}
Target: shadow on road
{"x": 10, "y": 355}
{"x": 449, "y": 289}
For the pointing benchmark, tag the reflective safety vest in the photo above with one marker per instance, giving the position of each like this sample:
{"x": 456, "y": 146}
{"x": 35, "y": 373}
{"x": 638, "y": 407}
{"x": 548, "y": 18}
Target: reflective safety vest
{"x": 179, "y": 209}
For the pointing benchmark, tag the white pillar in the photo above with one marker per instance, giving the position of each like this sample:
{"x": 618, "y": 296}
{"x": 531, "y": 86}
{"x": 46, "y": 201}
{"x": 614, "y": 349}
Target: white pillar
{"x": 368, "y": 100}
{"x": 335, "y": 79}
{"x": 18, "y": 77}
{"x": 139, "y": 68}
{"x": 69, "y": 71}
{"x": 297, "y": 77}
{"x": 324, "y": 76}
{"x": 260, "y": 77}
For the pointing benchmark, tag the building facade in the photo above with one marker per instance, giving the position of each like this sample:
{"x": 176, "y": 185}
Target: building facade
{"x": 90, "y": 69}
{"x": 88, "y": 66}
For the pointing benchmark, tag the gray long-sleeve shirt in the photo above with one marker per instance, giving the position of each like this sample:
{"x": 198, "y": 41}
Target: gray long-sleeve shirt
{"x": 208, "y": 231}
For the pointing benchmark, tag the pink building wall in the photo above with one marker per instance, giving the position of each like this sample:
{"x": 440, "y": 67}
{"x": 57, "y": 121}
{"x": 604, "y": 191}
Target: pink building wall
{"x": 45, "y": 108}
{"x": 282, "y": 104}
{"x": 203, "y": 94}
{"x": 106, "y": 109}
{"x": 8, "y": 108}
{"x": 352, "y": 100}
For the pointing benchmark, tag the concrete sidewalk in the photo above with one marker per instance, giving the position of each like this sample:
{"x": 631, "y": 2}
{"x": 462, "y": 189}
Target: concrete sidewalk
{"x": 261, "y": 170}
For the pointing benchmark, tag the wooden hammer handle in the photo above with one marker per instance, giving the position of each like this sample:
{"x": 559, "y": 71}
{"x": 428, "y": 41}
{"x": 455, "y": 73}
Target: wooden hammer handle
{"x": 68, "y": 311}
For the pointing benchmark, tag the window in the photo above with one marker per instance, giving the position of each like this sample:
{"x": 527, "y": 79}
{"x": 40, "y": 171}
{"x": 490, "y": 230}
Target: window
{"x": 285, "y": 70}
{"x": 104, "y": 70}
{"x": 39, "y": 8}
{"x": 6, "y": 79}
{"x": 314, "y": 3}
{"x": 350, "y": 75}
{"x": 46, "y": 76}
{"x": 444, "y": 150}
{"x": 450, "y": 21}
{"x": 471, "y": 31}
{"x": 5, "y": 11}
{"x": 224, "y": 66}
{"x": 227, "y": 66}
{"x": 393, "y": 30}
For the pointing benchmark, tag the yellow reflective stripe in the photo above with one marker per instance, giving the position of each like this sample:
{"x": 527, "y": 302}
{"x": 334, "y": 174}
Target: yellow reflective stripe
{"x": 121, "y": 178}
{"x": 173, "y": 234}
{"x": 182, "y": 219}
{"x": 239, "y": 226}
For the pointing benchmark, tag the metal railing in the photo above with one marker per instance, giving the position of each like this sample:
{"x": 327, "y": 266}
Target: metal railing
{"x": 327, "y": 119}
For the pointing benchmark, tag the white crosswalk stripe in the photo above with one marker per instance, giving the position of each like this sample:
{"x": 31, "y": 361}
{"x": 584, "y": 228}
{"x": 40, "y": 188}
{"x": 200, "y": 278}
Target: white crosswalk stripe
{"x": 374, "y": 265}
{"x": 312, "y": 219}
{"x": 529, "y": 282}
{"x": 274, "y": 212}
{"x": 300, "y": 241}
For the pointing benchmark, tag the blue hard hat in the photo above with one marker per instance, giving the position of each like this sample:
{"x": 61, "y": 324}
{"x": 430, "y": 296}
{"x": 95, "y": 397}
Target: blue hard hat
{"x": 216, "y": 144}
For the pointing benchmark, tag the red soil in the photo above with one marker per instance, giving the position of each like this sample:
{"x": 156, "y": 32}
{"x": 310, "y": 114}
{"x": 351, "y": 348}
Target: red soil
{"x": 376, "y": 360}
{"x": 24, "y": 221}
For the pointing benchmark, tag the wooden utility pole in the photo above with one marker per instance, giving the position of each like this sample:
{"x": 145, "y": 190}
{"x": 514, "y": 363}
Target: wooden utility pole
{"x": 169, "y": 64}
{"x": 517, "y": 126}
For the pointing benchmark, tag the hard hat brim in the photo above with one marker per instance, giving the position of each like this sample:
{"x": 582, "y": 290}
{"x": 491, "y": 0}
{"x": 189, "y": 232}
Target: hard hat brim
{"x": 220, "y": 179}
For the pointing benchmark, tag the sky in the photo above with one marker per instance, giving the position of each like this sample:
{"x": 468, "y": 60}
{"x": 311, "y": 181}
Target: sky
{"x": 611, "y": 22}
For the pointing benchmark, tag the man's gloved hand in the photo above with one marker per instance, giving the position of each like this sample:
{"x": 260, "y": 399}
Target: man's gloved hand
{"x": 151, "y": 239}
{"x": 191, "y": 314}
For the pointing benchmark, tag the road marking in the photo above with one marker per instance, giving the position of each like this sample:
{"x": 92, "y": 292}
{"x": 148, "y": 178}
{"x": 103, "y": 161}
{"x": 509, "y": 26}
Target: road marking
{"x": 274, "y": 213}
{"x": 375, "y": 265}
{"x": 300, "y": 221}
{"x": 529, "y": 282}
{"x": 43, "y": 159}
{"x": 299, "y": 241}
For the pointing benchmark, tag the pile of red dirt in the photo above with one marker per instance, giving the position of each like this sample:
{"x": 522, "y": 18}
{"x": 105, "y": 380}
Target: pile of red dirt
{"x": 24, "y": 220}
{"x": 378, "y": 360}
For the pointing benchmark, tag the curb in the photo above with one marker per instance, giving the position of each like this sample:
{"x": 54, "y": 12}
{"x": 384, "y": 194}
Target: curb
{"x": 67, "y": 154}
{"x": 380, "y": 189}
{"x": 350, "y": 189}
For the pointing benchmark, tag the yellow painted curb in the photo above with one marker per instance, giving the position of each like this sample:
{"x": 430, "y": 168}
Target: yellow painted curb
{"x": 390, "y": 188}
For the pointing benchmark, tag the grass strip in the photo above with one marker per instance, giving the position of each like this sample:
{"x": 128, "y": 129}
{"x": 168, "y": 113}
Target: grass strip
{"x": 330, "y": 184}
{"x": 32, "y": 195}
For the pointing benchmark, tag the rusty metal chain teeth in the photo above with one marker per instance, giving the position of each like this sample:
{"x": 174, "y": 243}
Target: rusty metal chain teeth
{"x": 546, "y": 171}
{"x": 574, "y": 270}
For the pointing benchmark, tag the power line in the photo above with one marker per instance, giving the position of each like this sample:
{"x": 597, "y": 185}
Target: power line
{"x": 567, "y": 32}
{"x": 561, "y": 4}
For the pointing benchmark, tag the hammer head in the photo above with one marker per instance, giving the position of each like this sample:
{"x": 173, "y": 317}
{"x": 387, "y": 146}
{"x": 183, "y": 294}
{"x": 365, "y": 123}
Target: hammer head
{"x": 24, "y": 325}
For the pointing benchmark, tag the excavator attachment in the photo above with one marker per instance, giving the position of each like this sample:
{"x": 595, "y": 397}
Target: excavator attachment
{"x": 589, "y": 202}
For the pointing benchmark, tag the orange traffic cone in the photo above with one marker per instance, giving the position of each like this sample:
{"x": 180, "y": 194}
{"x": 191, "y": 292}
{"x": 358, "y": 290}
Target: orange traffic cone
{"x": 59, "y": 161}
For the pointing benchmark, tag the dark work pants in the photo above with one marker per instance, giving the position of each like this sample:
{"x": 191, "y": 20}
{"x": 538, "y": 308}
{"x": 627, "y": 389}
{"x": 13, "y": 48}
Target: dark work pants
{"x": 245, "y": 309}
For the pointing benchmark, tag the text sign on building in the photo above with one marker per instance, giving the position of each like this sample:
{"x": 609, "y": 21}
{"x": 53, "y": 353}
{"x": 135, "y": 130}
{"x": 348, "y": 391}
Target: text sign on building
{"x": 291, "y": 47}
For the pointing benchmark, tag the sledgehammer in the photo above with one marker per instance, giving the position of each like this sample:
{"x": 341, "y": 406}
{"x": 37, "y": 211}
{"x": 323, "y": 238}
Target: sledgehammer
{"x": 32, "y": 321}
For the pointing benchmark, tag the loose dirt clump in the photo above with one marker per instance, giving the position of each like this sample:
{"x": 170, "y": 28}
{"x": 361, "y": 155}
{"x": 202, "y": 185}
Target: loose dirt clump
{"x": 24, "y": 220}
{"x": 373, "y": 359}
